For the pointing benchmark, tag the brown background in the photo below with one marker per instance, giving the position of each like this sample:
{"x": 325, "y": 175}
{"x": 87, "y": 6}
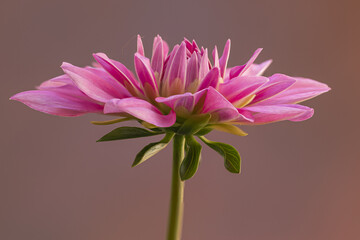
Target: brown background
{"x": 299, "y": 180}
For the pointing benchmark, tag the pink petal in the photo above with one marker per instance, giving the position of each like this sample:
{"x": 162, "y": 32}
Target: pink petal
{"x": 277, "y": 84}
{"x": 140, "y": 109}
{"x": 55, "y": 82}
{"x": 192, "y": 74}
{"x": 191, "y": 46}
{"x": 303, "y": 89}
{"x": 96, "y": 87}
{"x": 275, "y": 113}
{"x": 219, "y": 107}
{"x": 224, "y": 58}
{"x": 245, "y": 116}
{"x": 146, "y": 76}
{"x": 95, "y": 83}
{"x": 165, "y": 46}
{"x": 119, "y": 72}
{"x": 216, "y": 57}
{"x": 175, "y": 73}
{"x": 185, "y": 100}
{"x": 178, "y": 65}
{"x": 169, "y": 59}
{"x": 204, "y": 65}
{"x": 257, "y": 69}
{"x": 241, "y": 87}
{"x": 195, "y": 46}
{"x": 62, "y": 101}
{"x": 158, "y": 58}
{"x": 175, "y": 102}
{"x": 211, "y": 79}
{"x": 140, "y": 46}
{"x": 237, "y": 71}
{"x": 165, "y": 50}
{"x": 100, "y": 72}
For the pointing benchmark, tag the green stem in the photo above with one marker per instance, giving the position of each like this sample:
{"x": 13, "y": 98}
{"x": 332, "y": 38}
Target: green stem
{"x": 177, "y": 191}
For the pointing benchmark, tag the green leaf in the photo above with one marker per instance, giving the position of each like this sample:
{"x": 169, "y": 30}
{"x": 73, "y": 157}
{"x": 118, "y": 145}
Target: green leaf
{"x": 194, "y": 124}
{"x": 232, "y": 160}
{"x": 126, "y": 133}
{"x": 191, "y": 161}
{"x": 151, "y": 149}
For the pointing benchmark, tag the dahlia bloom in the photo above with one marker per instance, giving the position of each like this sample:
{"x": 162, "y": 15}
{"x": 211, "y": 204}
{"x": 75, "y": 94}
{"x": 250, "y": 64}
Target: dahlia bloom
{"x": 179, "y": 94}
{"x": 171, "y": 88}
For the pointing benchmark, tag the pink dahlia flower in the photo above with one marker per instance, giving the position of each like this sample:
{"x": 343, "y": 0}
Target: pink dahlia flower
{"x": 170, "y": 88}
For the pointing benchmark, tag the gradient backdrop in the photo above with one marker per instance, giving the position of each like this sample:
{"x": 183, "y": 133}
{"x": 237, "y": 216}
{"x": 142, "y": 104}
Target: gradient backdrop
{"x": 298, "y": 181}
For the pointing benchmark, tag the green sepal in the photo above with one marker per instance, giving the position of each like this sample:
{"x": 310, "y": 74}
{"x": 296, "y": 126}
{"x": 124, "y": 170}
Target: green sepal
{"x": 232, "y": 160}
{"x": 204, "y": 131}
{"x": 194, "y": 124}
{"x": 151, "y": 149}
{"x": 126, "y": 133}
{"x": 191, "y": 161}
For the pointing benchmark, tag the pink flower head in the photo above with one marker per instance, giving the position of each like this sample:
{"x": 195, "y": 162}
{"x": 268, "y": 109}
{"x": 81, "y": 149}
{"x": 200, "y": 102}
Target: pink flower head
{"x": 170, "y": 88}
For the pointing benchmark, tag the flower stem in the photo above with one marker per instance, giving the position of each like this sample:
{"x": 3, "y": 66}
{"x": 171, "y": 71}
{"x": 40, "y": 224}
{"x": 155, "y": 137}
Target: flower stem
{"x": 177, "y": 191}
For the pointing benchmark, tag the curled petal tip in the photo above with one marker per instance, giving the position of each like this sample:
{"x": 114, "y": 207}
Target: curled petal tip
{"x": 99, "y": 54}
{"x": 182, "y": 46}
{"x": 140, "y": 47}
{"x": 304, "y": 116}
{"x": 66, "y": 65}
{"x": 12, "y": 97}
{"x": 21, "y": 96}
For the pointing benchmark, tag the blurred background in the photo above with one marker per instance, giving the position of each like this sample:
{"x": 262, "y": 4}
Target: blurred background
{"x": 298, "y": 180}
